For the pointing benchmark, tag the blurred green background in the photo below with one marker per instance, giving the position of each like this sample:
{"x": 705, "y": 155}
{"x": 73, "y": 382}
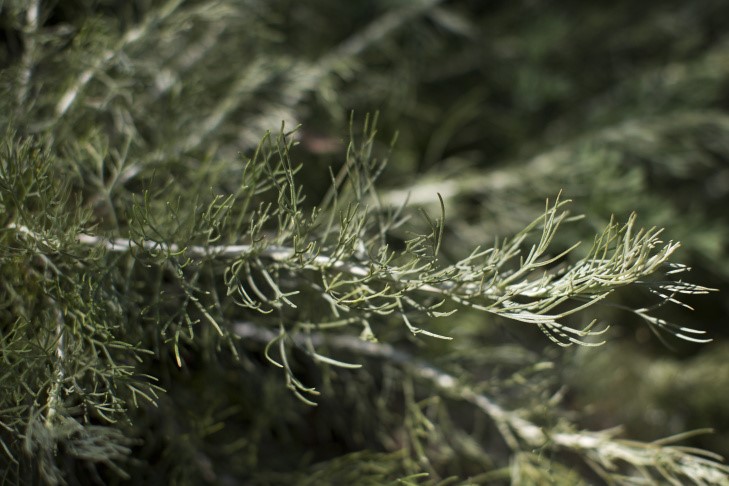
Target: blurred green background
{"x": 622, "y": 106}
{"x": 498, "y": 105}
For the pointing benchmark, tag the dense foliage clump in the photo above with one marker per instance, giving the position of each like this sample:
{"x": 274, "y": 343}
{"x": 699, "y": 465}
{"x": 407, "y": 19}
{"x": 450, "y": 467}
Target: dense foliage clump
{"x": 217, "y": 267}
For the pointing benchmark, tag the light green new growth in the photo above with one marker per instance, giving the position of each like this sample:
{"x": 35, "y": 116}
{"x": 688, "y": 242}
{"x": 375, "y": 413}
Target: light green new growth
{"x": 174, "y": 285}
{"x": 336, "y": 258}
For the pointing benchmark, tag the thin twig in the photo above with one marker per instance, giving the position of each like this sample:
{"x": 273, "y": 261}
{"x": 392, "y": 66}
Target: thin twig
{"x": 54, "y": 394}
{"x": 130, "y": 37}
{"x": 29, "y": 41}
{"x": 589, "y": 280}
{"x": 508, "y": 420}
{"x": 519, "y": 433}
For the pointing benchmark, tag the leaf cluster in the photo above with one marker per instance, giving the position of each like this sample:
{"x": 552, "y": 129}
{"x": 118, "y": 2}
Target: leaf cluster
{"x": 185, "y": 280}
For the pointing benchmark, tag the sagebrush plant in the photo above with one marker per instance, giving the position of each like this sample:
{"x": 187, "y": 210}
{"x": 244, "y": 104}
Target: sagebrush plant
{"x": 196, "y": 289}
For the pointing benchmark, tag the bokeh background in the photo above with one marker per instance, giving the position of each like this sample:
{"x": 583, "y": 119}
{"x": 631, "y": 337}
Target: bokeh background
{"x": 620, "y": 106}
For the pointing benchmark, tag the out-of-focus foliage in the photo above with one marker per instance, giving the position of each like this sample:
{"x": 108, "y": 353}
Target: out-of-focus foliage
{"x": 194, "y": 290}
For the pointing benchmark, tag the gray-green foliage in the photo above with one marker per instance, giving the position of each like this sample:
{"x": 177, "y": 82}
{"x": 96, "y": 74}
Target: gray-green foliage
{"x": 190, "y": 294}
